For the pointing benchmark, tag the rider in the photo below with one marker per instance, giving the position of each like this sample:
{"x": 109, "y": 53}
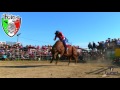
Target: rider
{"x": 61, "y": 38}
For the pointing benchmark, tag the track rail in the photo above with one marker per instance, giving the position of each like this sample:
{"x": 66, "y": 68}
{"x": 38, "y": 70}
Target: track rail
{"x": 98, "y": 71}
{"x": 94, "y": 71}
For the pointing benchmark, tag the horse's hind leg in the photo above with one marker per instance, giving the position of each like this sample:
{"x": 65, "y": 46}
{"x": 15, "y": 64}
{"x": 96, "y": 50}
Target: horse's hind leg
{"x": 69, "y": 61}
{"x": 76, "y": 59}
{"x": 53, "y": 57}
{"x": 57, "y": 58}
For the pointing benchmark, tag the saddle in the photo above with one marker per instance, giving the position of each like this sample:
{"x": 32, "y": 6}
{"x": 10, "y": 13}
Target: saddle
{"x": 68, "y": 45}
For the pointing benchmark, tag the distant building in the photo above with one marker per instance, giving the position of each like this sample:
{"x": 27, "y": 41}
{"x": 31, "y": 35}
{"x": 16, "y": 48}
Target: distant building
{"x": 10, "y": 43}
{"x": 2, "y": 43}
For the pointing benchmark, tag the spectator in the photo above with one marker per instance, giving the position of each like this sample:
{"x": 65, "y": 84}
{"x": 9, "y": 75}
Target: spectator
{"x": 118, "y": 41}
{"x": 5, "y": 57}
{"x": 90, "y": 45}
{"x": 94, "y": 45}
{"x": 109, "y": 40}
{"x": 103, "y": 44}
{"x": 106, "y": 44}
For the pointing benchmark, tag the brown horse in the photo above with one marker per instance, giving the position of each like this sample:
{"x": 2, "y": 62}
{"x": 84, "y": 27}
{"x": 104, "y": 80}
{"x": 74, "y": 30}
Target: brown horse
{"x": 58, "y": 51}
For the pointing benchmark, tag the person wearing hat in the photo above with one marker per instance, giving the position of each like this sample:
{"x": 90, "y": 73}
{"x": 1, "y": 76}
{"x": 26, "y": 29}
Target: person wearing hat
{"x": 62, "y": 38}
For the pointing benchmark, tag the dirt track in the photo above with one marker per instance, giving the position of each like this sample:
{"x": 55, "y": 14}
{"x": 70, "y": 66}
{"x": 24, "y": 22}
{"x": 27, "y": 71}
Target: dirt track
{"x": 43, "y": 69}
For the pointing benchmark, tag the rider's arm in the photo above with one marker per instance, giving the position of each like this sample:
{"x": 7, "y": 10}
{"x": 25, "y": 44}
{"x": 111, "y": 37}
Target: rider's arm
{"x": 55, "y": 37}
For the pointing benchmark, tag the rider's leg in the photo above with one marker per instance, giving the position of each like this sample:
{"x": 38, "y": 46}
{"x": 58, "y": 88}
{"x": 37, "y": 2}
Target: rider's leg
{"x": 64, "y": 43}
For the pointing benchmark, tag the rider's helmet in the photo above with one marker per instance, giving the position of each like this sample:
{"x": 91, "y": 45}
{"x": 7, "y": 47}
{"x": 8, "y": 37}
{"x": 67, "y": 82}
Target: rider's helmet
{"x": 57, "y": 32}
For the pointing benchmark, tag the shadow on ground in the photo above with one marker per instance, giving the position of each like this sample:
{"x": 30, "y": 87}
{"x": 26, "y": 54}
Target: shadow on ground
{"x": 29, "y": 66}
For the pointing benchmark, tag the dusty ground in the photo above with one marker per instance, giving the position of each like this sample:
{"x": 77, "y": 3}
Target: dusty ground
{"x": 43, "y": 69}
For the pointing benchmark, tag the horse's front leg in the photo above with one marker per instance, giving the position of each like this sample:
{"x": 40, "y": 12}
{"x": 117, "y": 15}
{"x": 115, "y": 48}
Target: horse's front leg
{"x": 52, "y": 59}
{"x": 57, "y": 58}
{"x": 59, "y": 55}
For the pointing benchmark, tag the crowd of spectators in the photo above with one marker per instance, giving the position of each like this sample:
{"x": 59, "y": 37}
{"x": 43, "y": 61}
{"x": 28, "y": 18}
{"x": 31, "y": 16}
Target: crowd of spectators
{"x": 104, "y": 43}
{"x": 28, "y": 52}
{"x": 18, "y": 51}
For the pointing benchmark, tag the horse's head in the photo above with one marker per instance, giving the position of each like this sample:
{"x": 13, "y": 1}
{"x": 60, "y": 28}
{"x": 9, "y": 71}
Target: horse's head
{"x": 58, "y": 46}
{"x": 55, "y": 50}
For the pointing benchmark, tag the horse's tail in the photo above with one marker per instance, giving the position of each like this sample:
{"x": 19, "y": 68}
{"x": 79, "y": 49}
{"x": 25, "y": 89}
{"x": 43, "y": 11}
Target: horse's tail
{"x": 73, "y": 52}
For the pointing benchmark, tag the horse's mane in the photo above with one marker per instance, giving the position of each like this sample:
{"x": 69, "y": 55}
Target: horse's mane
{"x": 57, "y": 42}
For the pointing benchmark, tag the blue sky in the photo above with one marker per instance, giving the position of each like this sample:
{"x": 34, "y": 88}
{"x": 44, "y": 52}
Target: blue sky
{"x": 80, "y": 28}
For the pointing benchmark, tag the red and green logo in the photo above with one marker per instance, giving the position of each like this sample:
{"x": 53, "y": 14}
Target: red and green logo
{"x": 11, "y": 24}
